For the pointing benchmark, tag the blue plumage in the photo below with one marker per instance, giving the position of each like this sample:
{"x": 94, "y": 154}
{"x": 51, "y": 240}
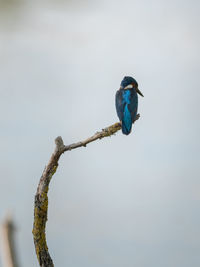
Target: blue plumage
{"x": 126, "y": 102}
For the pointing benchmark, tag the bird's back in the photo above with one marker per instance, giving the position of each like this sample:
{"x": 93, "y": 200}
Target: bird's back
{"x": 126, "y": 102}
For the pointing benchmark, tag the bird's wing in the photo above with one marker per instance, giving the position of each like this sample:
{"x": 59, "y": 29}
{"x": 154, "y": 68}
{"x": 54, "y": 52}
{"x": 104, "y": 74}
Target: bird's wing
{"x": 133, "y": 105}
{"x": 119, "y": 103}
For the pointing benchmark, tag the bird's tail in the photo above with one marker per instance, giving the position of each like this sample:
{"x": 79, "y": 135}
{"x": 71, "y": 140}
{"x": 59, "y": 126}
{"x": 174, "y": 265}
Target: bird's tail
{"x": 126, "y": 126}
{"x": 126, "y": 121}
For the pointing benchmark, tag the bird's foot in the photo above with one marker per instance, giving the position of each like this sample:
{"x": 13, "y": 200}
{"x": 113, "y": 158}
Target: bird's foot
{"x": 137, "y": 117}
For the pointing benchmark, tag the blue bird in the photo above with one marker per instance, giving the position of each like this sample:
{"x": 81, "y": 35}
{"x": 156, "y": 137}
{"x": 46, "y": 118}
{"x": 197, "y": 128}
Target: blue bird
{"x": 126, "y": 102}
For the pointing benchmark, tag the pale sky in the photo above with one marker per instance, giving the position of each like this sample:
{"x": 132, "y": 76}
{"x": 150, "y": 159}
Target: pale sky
{"x": 126, "y": 200}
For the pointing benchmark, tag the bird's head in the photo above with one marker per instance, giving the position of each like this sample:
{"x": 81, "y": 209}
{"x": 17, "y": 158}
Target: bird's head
{"x": 128, "y": 83}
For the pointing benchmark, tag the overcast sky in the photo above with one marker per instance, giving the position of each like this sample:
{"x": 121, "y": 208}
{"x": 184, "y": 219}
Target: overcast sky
{"x": 126, "y": 200}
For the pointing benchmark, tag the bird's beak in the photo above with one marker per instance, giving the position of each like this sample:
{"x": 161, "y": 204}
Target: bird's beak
{"x": 138, "y": 91}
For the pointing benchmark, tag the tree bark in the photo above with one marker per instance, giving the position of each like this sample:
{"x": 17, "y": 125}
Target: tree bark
{"x": 41, "y": 197}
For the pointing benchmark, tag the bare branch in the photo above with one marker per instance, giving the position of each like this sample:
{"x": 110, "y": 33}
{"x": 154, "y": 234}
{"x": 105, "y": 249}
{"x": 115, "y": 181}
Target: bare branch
{"x": 41, "y": 197}
{"x": 9, "y": 255}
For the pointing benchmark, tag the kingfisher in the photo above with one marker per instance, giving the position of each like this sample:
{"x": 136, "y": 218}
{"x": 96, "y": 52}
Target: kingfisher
{"x": 126, "y": 102}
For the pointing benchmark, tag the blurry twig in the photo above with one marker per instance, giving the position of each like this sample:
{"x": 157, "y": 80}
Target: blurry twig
{"x": 8, "y": 246}
{"x": 41, "y": 197}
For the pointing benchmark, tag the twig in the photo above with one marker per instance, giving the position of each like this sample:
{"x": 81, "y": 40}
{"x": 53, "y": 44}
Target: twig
{"x": 8, "y": 245}
{"x": 41, "y": 197}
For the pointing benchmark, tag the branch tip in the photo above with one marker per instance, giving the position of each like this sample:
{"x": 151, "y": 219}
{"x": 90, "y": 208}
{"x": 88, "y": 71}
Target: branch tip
{"x": 59, "y": 143}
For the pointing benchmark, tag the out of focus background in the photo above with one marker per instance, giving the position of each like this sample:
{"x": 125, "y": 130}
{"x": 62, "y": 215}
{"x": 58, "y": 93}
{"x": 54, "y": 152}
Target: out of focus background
{"x": 126, "y": 200}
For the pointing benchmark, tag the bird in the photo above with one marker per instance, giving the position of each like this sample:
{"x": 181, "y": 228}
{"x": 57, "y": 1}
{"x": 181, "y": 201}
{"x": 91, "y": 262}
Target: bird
{"x": 126, "y": 102}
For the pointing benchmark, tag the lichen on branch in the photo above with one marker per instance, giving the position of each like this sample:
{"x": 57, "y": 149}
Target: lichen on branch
{"x": 41, "y": 197}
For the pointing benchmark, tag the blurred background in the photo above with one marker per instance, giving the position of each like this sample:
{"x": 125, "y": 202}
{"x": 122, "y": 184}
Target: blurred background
{"x": 126, "y": 200}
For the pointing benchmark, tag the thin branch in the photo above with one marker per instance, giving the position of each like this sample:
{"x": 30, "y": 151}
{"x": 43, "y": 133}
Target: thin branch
{"x": 9, "y": 255}
{"x": 41, "y": 197}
